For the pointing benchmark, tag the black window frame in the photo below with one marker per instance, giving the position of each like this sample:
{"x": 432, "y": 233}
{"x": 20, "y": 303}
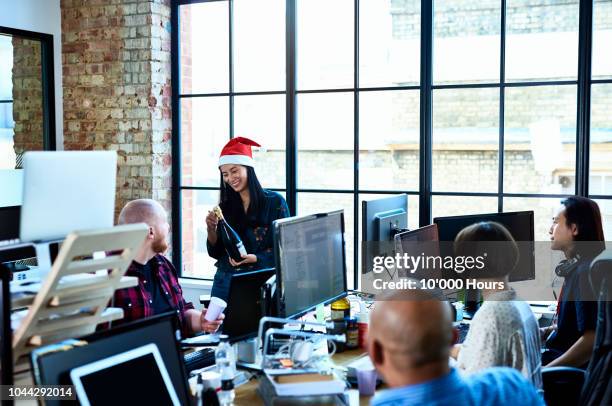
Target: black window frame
{"x": 426, "y": 88}
{"x": 48, "y": 81}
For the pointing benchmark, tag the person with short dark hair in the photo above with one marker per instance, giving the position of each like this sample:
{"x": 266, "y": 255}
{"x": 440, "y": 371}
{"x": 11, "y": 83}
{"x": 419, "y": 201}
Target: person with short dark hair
{"x": 577, "y": 230}
{"x": 409, "y": 341}
{"x": 504, "y": 331}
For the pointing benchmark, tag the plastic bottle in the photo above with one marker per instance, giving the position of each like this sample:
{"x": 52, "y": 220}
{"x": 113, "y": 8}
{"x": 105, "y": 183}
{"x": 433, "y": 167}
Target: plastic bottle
{"x": 227, "y": 394}
{"x": 226, "y": 366}
{"x": 352, "y": 333}
{"x": 363, "y": 320}
{"x": 199, "y": 388}
{"x": 340, "y": 309}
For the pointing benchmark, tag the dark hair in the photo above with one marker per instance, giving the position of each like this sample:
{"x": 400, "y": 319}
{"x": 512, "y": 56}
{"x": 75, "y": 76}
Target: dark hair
{"x": 231, "y": 203}
{"x": 584, "y": 213}
{"x": 492, "y": 240}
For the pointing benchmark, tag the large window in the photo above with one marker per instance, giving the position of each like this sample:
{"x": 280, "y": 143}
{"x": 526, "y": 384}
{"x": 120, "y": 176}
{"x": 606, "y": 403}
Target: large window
{"x": 332, "y": 90}
{"x": 7, "y": 123}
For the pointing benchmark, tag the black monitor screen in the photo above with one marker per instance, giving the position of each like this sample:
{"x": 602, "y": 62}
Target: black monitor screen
{"x": 9, "y": 218}
{"x": 311, "y": 262}
{"x": 244, "y": 307}
{"x": 520, "y": 225}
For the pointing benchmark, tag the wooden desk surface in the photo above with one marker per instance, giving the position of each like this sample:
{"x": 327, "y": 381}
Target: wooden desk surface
{"x": 247, "y": 394}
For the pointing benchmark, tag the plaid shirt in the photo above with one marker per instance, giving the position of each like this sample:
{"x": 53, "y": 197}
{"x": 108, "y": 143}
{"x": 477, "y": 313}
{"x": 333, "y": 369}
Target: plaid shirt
{"x": 137, "y": 302}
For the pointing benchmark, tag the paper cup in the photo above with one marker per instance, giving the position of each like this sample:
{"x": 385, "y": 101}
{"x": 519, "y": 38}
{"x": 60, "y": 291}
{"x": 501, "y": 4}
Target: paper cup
{"x": 215, "y": 308}
{"x": 366, "y": 381}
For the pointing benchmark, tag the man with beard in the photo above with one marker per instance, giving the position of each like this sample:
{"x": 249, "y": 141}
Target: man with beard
{"x": 158, "y": 290}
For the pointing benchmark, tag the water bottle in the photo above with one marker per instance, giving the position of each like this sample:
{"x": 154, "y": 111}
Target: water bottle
{"x": 224, "y": 360}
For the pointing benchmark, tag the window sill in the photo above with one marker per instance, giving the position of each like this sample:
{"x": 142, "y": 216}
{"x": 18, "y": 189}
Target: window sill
{"x": 195, "y": 283}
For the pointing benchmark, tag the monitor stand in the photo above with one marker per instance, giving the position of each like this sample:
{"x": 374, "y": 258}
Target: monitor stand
{"x": 43, "y": 256}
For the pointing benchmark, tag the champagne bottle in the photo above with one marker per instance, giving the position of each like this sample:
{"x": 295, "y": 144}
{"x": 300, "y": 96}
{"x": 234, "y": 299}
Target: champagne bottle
{"x": 232, "y": 242}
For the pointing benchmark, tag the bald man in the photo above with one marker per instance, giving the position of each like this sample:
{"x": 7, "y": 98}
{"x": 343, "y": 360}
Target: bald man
{"x": 410, "y": 337}
{"x": 158, "y": 290}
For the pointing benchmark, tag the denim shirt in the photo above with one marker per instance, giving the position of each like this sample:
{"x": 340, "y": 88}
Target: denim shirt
{"x": 493, "y": 387}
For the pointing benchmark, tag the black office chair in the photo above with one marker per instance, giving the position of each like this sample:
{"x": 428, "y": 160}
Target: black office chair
{"x": 598, "y": 386}
{"x": 562, "y": 385}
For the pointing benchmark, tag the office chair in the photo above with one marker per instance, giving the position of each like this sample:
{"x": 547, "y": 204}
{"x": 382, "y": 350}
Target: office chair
{"x": 562, "y": 385}
{"x": 598, "y": 386}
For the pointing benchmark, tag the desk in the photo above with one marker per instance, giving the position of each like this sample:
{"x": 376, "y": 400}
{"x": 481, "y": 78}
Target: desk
{"x": 247, "y": 394}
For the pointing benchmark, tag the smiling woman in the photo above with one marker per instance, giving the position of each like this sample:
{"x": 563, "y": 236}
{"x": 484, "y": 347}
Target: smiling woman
{"x": 248, "y": 209}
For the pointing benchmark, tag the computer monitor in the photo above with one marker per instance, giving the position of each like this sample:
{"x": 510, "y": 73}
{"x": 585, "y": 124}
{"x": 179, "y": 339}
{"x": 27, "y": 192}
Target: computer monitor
{"x": 310, "y": 262}
{"x": 404, "y": 240}
{"x": 53, "y": 367}
{"x": 420, "y": 242}
{"x": 67, "y": 191}
{"x": 244, "y": 307}
{"x": 520, "y": 225}
{"x": 381, "y": 219}
{"x": 9, "y": 219}
{"x": 11, "y": 185}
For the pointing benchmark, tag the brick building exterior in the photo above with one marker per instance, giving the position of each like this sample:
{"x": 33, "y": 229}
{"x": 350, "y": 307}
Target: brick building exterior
{"x": 27, "y": 96}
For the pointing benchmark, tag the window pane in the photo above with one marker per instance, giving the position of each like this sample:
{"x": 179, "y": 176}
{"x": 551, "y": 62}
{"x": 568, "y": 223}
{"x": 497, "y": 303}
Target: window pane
{"x": 540, "y": 139}
{"x": 325, "y": 42}
{"x": 442, "y": 206}
{"x": 389, "y": 140}
{"x": 204, "y": 40}
{"x": 195, "y": 207}
{"x": 602, "y": 38}
{"x": 6, "y": 67}
{"x": 262, "y": 118}
{"x": 605, "y": 206}
{"x": 466, "y": 41}
{"x": 310, "y": 203}
{"x": 389, "y": 43}
{"x": 544, "y": 210}
{"x": 259, "y": 45}
{"x": 465, "y": 140}
{"x": 325, "y": 140}
{"x": 541, "y": 40}
{"x": 204, "y": 131}
{"x": 601, "y": 138}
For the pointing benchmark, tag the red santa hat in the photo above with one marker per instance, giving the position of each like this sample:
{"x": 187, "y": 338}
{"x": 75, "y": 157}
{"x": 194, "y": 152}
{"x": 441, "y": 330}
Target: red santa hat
{"x": 238, "y": 151}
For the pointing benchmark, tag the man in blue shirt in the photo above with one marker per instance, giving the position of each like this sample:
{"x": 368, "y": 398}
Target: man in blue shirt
{"x": 409, "y": 341}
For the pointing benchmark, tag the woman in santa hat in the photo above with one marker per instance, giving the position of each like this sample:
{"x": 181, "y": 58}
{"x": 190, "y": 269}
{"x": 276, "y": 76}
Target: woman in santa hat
{"x": 248, "y": 209}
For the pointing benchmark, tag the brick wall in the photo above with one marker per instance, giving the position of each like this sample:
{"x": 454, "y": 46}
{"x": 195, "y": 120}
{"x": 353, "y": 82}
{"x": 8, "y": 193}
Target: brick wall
{"x": 116, "y": 82}
{"x": 27, "y": 96}
{"x": 481, "y": 17}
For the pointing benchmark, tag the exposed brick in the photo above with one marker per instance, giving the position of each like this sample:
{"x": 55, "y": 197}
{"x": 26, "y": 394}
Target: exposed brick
{"x": 27, "y": 95}
{"x": 112, "y": 90}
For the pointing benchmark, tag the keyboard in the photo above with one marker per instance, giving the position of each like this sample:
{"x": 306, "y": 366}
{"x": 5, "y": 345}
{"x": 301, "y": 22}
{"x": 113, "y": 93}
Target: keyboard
{"x": 199, "y": 359}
